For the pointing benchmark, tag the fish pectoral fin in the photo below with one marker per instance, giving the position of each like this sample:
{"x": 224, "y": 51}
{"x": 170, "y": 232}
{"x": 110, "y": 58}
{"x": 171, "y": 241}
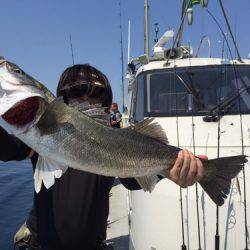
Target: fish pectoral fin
{"x": 52, "y": 128}
{"x": 152, "y": 129}
{"x": 148, "y": 183}
{"x": 47, "y": 170}
{"x": 54, "y": 118}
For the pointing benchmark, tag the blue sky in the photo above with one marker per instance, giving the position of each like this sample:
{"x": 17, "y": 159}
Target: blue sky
{"x": 35, "y": 34}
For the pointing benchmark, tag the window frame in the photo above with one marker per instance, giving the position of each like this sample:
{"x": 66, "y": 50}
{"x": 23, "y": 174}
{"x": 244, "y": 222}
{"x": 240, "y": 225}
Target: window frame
{"x": 144, "y": 74}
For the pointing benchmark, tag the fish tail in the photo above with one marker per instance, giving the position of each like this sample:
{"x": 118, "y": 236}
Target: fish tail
{"x": 218, "y": 175}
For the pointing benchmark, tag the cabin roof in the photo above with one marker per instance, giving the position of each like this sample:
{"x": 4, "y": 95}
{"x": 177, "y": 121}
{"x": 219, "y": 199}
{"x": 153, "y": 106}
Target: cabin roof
{"x": 187, "y": 62}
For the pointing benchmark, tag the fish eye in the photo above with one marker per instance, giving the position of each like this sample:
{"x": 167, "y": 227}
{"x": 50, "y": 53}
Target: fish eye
{"x": 18, "y": 71}
{"x": 13, "y": 68}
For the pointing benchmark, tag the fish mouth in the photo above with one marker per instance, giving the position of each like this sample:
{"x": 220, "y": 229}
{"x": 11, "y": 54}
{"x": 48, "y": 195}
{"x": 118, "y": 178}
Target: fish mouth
{"x": 25, "y": 111}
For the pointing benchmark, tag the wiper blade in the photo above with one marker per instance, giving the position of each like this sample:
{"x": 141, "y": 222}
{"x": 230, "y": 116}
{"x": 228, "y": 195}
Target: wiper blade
{"x": 190, "y": 90}
{"x": 222, "y": 108}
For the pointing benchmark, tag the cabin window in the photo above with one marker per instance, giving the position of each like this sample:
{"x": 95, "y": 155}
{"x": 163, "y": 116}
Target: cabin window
{"x": 194, "y": 91}
{"x": 138, "y": 99}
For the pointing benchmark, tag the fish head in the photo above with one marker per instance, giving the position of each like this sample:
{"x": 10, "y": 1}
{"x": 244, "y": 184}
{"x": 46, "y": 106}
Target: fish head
{"x": 22, "y": 98}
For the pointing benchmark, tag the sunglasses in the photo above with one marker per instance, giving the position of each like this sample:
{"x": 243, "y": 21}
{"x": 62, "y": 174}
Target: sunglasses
{"x": 82, "y": 88}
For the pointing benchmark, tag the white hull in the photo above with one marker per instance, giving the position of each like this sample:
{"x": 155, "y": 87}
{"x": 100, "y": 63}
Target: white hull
{"x": 156, "y": 217}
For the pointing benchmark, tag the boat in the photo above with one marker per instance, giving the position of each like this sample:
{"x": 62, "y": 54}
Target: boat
{"x": 203, "y": 104}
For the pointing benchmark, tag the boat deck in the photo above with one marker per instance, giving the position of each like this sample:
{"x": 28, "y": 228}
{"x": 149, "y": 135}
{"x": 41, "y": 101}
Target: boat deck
{"x": 118, "y": 228}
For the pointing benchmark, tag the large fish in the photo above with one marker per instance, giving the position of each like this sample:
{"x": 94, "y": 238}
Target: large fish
{"x": 64, "y": 135}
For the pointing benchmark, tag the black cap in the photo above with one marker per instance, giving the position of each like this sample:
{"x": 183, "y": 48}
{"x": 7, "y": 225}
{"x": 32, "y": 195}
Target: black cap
{"x": 83, "y": 79}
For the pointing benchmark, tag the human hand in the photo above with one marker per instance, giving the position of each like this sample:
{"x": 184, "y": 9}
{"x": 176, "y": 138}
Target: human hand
{"x": 187, "y": 169}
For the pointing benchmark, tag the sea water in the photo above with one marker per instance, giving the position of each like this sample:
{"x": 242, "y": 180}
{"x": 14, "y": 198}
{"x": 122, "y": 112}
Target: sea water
{"x": 16, "y": 197}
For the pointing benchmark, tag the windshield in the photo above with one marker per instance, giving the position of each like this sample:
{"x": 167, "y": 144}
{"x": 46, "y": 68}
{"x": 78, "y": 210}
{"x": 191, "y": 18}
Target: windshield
{"x": 192, "y": 91}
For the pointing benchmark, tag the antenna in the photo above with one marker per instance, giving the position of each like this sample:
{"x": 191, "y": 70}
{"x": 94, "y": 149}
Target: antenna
{"x": 122, "y": 57}
{"x": 71, "y": 47}
{"x": 156, "y": 32}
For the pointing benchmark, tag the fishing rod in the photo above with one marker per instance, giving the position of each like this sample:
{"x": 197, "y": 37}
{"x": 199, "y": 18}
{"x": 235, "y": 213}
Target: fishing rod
{"x": 183, "y": 246}
{"x": 230, "y": 30}
{"x": 179, "y": 30}
{"x": 129, "y": 40}
{"x": 229, "y": 211}
{"x": 243, "y": 170}
{"x": 203, "y": 218}
{"x": 193, "y": 139}
{"x": 235, "y": 33}
{"x": 201, "y": 42}
{"x": 122, "y": 57}
{"x": 146, "y": 10}
{"x": 203, "y": 205}
{"x": 71, "y": 48}
{"x": 241, "y": 129}
{"x": 187, "y": 222}
{"x": 179, "y": 37}
{"x": 183, "y": 14}
{"x": 194, "y": 147}
{"x": 196, "y": 194}
{"x": 217, "y": 235}
{"x": 196, "y": 185}
{"x": 187, "y": 10}
{"x": 178, "y": 40}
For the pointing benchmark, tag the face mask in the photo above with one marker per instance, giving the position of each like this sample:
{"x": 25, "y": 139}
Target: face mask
{"x": 96, "y": 111}
{"x": 80, "y": 105}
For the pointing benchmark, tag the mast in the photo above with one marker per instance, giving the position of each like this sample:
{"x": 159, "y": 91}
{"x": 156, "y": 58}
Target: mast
{"x": 146, "y": 45}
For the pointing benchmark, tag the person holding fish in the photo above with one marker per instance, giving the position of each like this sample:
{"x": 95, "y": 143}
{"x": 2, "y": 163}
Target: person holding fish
{"x": 71, "y": 205}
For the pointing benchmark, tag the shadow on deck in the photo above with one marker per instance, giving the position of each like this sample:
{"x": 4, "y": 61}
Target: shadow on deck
{"x": 120, "y": 243}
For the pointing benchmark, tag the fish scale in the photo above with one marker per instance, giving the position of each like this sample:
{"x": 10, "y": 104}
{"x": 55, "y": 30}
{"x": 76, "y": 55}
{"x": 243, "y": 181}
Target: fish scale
{"x": 134, "y": 145}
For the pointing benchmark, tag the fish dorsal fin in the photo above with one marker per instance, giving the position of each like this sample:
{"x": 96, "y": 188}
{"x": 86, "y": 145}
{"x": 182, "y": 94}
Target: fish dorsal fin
{"x": 152, "y": 129}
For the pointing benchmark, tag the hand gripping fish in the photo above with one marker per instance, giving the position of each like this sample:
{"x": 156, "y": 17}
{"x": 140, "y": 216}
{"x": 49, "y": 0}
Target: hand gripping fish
{"x": 69, "y": 137}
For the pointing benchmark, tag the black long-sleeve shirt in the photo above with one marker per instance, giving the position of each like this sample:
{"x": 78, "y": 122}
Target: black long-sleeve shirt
{"x": 11, "y": 148}
{"x": 73, "y": 213}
